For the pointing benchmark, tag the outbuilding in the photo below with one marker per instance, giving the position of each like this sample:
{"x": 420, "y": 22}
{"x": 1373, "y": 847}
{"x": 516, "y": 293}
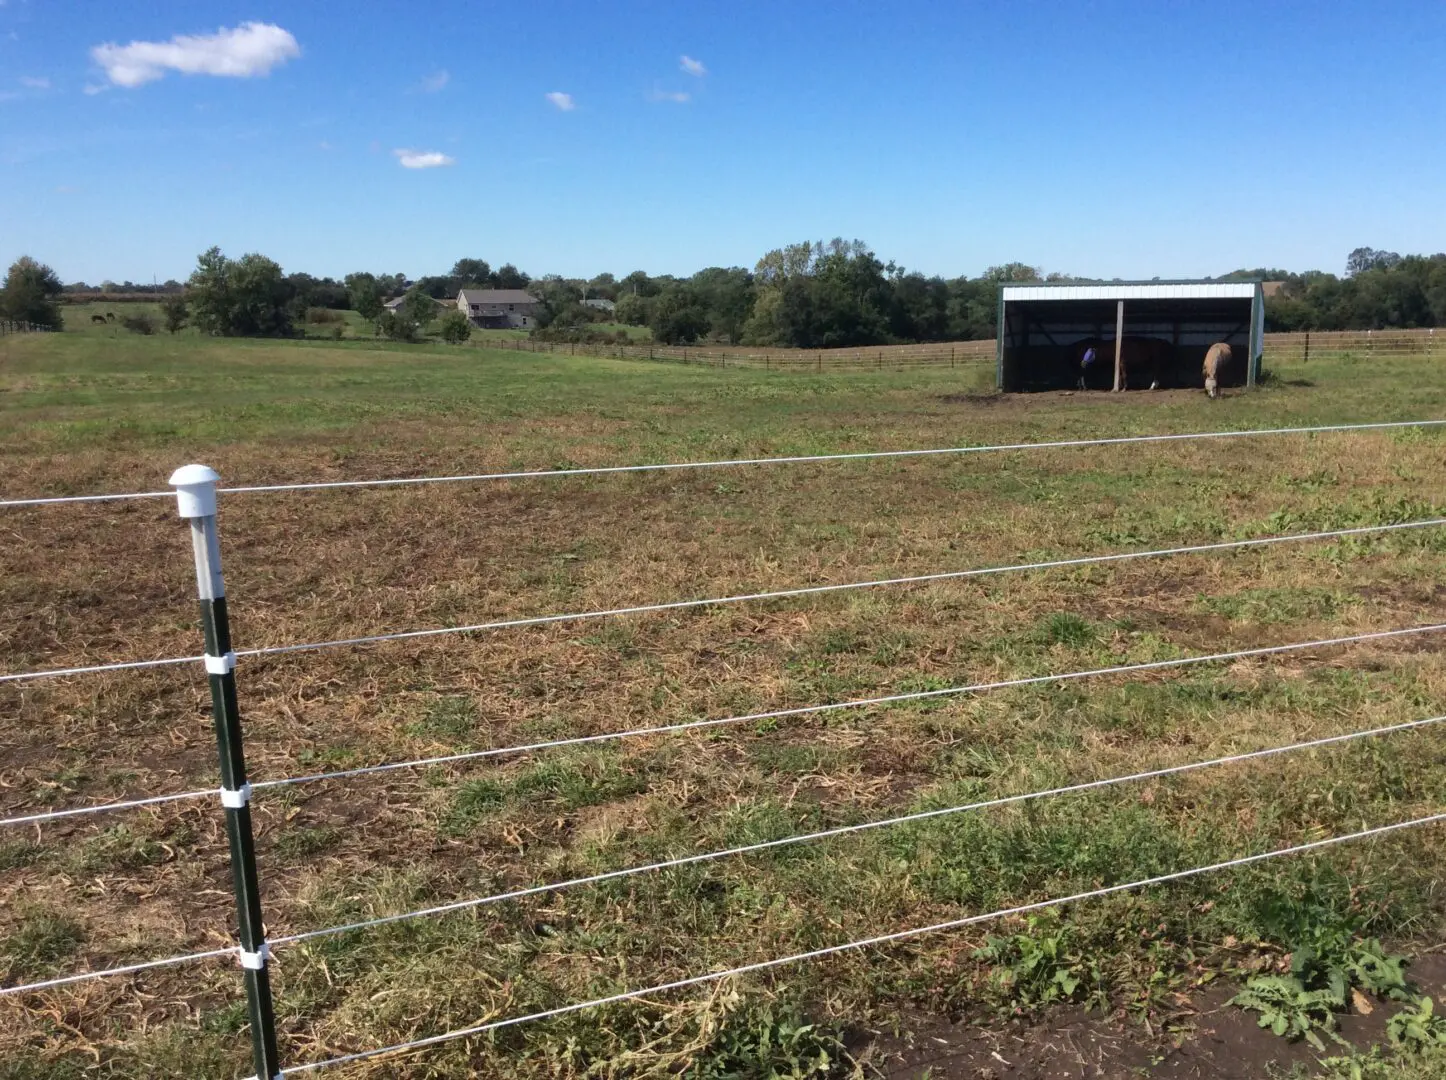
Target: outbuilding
{"x": 1163, "y": 329}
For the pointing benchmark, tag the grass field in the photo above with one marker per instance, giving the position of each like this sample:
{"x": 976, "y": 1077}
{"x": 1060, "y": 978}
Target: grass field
{"x": 79, "y": 318}
{"x": 96, "y": 411}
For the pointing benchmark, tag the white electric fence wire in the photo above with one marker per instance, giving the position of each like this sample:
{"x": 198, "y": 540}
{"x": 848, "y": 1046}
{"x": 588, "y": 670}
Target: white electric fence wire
{"x": 128, "y": 804}
{"x": 845, "y": 830}
{"x": 127, "y": 665}
{"x": 677, "y": 605}
{"x": 794, "y": 459}
{"x": 883, "y": 939}
{"x": 778, "y": 594}
{"x": 48, "y": 984}
{"x": 692, "y": 725}
{"x": 803, "y": 710}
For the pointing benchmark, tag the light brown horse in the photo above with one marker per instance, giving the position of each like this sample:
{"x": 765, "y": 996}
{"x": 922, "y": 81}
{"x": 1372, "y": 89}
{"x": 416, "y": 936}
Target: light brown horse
{"x": 1217, "y": 359}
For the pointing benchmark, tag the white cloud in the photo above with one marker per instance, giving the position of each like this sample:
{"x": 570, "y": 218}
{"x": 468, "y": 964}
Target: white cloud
{"x": 422, "y": 159}
{"x": 561, "y": 100}
{"x": 692, "y": 67}
{"x": 435, "y": 81}
{"x": 678, "y": 97}
{"x": 34, "y": 83}
{"x": 252, "y": 48}
{"x": 324, "y": 145}
{"x": 93, "y": 89}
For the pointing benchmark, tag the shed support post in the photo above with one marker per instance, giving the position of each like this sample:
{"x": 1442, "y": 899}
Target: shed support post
{"x": 1119, "y": 346}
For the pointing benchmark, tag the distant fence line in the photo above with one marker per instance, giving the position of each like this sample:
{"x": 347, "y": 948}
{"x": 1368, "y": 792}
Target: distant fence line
{"x": 1278, "y": 347}
{"x": 934, "y": 354}
{"x": 20, "y": 326}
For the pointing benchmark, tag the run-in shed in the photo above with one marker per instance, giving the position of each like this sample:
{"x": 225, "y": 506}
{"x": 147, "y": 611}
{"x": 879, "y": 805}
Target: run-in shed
{"x": 1166, "y": 327}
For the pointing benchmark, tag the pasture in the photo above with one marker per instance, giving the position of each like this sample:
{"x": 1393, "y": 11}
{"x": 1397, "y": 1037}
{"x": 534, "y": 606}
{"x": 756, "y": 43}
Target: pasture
{"x": 99, "y": 411}
{"x": 89, "y": 318}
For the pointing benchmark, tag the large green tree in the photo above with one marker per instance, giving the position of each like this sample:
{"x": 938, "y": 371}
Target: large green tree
{"x": 418, "y": 308}
{"x": 509, "y": 277}
{"x": 728, "y": 296}
{"x": 31, "y": 294}
{"x": 679, "y": 316}
{"x": 245, "y": 297}
{"x": 366, "y": 296}
{"x": 475, "y": 273}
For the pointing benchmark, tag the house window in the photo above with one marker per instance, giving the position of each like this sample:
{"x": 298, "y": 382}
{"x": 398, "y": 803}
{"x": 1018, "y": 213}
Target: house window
{"x": 510, "y": 307}
{"x": 476, "y": 307}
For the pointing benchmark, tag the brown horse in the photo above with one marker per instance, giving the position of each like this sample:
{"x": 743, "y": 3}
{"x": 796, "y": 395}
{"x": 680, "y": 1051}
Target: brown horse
{"x": 1217, "y": 359}
{"x": 1143, "y": 358}
{"x": 98, "y": 319}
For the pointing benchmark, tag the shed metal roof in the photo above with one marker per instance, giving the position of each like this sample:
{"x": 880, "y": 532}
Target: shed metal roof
{"x": 1162, "y": 290}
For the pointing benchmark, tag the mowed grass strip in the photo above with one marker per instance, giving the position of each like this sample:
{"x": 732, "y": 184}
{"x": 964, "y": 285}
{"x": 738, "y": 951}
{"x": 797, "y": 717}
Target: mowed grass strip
{"x": 94, "y": 412}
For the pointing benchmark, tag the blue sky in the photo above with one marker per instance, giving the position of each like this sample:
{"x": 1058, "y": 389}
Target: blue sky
{"x": 1132, "y": 138}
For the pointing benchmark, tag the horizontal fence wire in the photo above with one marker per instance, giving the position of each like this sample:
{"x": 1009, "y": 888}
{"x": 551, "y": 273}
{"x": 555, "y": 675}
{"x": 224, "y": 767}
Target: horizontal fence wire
{"x": 125, "y": 969}
{"x": 532, "y": 474}
{"x": 863, "y": 943}
{"x": 844, "y": 830}
{"x": 694, "y": 725}
{"x": 99, "y": 808}
{"x": 813, "y": 590}
{"x": 944, "y": 354}
{"x": 858, "y": 703}
{"x": 776, "y": 594}
{"x": 96, "y": 669}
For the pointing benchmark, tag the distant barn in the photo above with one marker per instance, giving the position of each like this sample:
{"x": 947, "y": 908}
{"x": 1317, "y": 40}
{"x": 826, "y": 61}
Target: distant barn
{"x": 1167, "y": 326}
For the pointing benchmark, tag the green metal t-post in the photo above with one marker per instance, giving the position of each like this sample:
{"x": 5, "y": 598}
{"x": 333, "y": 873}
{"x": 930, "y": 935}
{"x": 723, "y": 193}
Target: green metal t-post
{"x": 196, "y": 495}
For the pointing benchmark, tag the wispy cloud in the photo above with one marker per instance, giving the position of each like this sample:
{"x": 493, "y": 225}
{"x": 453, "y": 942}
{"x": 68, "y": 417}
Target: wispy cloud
{"x": 692, "y": 67}
{"x": 34, "y": 82}
{"x": 678, "y": 97}
{"x": 435, "y": 81}
{"x": 324, "y": 145}
{"x": 561, "y": 100}
{"x": 94, "y": 88}
{"x": 423, "y": 159}
{"x": 240, "y": 52}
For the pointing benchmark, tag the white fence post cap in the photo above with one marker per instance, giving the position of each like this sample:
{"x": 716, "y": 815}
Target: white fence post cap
{"x": 195, "y": 490}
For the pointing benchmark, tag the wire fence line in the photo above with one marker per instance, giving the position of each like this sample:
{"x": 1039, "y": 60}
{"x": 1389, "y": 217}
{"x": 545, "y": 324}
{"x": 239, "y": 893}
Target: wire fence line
{"x": 602, "y": 470}
{"x": 725, "y": 721}
{"x": 696, "y": 725}
{"x": 1371, "y": 344}
{"x": 864, "y": 943}
{"x": 196, "y": 489}
{"x": 846, "y": 830}
{"x": 688, "y": 860}
{"x": 776, "y": 594}
{"x": 124, "y": 969}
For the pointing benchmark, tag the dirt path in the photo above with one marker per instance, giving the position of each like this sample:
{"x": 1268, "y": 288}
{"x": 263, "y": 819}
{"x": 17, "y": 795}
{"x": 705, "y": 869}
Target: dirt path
{"x": 1214, "y": 1041}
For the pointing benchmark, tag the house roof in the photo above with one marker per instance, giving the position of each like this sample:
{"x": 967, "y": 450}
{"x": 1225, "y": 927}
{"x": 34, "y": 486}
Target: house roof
{"x": 496, "y": 296}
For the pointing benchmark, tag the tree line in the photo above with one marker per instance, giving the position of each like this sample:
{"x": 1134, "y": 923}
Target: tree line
{"x": 805, "y": 295}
